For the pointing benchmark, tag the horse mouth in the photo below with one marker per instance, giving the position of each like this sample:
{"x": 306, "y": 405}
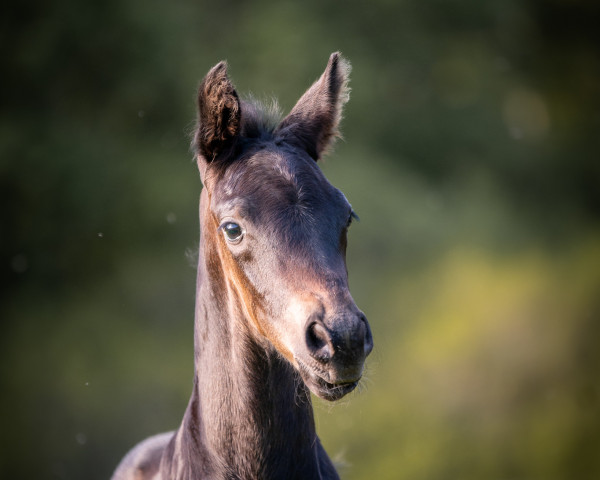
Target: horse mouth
{"x": 324, "y": 389}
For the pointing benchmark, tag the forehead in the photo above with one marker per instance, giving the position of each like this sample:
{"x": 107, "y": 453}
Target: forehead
{"x": 273, "y": 180}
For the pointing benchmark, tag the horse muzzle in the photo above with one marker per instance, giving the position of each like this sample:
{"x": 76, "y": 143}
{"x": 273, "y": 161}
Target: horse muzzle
{"x": 334, "y": 354}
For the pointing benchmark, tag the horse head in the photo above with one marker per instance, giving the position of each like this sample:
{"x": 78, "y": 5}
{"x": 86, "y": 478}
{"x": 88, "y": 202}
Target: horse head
{"x": 276, "y": 229}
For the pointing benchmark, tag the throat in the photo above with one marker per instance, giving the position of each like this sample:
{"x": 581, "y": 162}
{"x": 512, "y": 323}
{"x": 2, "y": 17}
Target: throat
{"x": 250, "y": 415}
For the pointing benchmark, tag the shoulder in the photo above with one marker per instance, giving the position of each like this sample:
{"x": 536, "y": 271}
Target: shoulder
{"x": 142, "y": 461}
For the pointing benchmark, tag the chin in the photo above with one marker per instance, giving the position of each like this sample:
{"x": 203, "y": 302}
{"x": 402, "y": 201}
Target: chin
{"x": 324, "y": 389}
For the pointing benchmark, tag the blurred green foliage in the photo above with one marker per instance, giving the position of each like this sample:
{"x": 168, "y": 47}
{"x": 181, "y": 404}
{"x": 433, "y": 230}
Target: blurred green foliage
{"x": 470, "y": 153}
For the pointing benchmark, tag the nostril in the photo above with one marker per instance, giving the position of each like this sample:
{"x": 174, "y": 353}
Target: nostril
{"x": 368, "y": 338}
{"x": 319, "y": 342}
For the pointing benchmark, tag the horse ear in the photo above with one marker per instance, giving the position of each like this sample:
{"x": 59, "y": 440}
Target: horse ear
{"x": 218, "y": 115}
{"x": 314, "y": 120}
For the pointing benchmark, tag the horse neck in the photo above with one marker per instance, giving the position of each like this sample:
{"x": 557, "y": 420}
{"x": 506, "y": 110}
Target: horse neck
{"x": 250, "y": 415}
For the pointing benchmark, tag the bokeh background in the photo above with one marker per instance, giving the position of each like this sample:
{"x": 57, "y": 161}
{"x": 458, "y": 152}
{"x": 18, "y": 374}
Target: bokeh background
{"x": 471, "y": 154}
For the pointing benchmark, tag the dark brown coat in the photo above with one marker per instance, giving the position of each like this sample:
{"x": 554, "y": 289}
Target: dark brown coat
{"x": 274, "y": 316}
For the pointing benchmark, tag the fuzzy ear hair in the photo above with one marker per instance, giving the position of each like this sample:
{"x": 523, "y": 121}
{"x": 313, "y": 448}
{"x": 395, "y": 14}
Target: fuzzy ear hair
{"x": 314, "y": 120}
{"x": 218, "y": 114}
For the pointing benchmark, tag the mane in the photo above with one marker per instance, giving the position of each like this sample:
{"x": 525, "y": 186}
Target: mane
{"x": 259, "y": 118}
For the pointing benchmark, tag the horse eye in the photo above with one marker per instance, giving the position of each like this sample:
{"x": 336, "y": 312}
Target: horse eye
{"x": 352, "y": 216}
{"x": 233, "y": 232}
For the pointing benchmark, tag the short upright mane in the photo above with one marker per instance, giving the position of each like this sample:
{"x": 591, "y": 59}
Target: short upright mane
{"x": 259, "y": 118}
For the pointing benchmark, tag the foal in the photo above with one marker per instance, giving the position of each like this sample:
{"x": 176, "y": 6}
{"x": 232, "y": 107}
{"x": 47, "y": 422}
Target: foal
{"x": 274, "y": 316}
